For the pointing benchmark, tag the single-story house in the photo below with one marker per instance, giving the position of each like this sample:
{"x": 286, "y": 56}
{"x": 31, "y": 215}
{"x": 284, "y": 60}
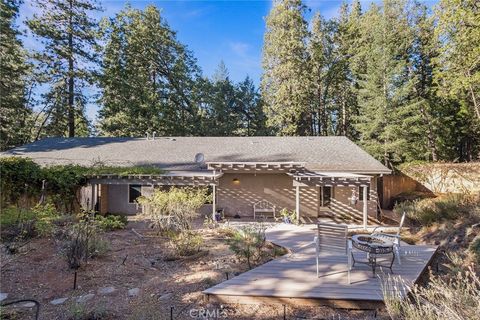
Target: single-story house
{"x": 315, "y": 176}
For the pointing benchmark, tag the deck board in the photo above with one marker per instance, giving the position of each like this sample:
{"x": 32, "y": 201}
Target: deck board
{"x": 293, "y": 277}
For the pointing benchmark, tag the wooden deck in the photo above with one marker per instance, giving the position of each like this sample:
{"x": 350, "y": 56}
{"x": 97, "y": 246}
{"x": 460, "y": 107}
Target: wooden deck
{"x": 292, "y": 279}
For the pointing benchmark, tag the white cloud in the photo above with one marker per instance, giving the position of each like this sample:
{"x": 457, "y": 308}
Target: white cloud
{"x": 239, "y": 48}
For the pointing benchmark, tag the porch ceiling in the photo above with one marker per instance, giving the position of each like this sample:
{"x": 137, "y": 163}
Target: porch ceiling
{"x": 316, "y": 178}
{"x": 173, "y": 178}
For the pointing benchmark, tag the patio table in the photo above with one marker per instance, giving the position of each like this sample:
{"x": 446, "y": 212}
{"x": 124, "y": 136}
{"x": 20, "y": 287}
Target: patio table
{"x": 373, "y": 247}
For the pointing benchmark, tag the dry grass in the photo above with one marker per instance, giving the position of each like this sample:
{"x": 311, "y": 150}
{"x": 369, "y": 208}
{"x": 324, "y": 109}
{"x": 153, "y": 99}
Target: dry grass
{"x": 454, "y": 296}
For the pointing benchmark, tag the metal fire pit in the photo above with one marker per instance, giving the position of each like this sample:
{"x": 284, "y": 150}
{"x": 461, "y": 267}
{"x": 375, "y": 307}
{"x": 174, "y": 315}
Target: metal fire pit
{"x": 373, "y": 247}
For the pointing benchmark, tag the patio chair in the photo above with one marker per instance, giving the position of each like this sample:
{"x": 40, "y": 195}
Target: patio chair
{"x": 333, "y": 238}
{"x": 395, "y": 238}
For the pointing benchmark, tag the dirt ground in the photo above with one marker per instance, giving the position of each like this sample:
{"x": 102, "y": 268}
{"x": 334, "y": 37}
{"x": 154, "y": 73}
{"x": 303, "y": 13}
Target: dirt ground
{"x": 168, "y": 289}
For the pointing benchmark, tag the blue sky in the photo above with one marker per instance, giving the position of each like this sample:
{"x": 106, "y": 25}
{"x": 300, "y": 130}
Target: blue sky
{"x": 231, "y": 31}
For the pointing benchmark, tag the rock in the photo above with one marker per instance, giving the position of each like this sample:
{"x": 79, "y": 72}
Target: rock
{"x": 58, "y": 301}
{"x": 3, "y": 296}
{"x": 28, "y": 305}
{"x": 133, "y": 292}
{"x": 85, "y": 298}
{"x": 165, "y": 296}
{"x": 106, "y": 290}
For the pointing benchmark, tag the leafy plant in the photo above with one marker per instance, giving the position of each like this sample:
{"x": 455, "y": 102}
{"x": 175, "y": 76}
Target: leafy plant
{"x": 186, "y": 243}
{"x": 247, "y": 243}
{"x": 18, "y": 176}
{"x": 173, "y": 210}
{"x": 288, "y": 216}
{"x": 45, "y": 216}
{"x": 111, "y": 222}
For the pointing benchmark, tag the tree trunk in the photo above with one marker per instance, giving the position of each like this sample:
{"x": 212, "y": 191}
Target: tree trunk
{"x": 71, "y": 107}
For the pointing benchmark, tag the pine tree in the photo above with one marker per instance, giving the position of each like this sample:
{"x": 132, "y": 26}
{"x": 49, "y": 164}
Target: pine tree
{"x": 253, "y": 119}
{"x": 322, "y": 64}
{"x": 385, "y": 84}
{"x": 222, "y": 113}
{"x": 149, "y": 80}
{"x": 14, "y": 71}
{"x": 69, "y": 36}
{"x": 345, "y": 89}
{"x": 285, "y": 81}
{"x": 423, "y": 128}
{"x": 458, "y": 31}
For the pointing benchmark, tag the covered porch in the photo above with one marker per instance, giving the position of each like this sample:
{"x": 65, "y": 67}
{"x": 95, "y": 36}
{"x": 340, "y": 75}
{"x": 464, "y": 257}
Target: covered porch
{"x": 102, "y": 190}
{"x": 362, "y": 183}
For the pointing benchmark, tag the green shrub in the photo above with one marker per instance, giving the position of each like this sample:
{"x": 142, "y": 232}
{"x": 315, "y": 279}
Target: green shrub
{"x": 186, "y": 243}
{"x": 111, "y": 222}
{"x": 45, "y": 216}
{"x": 82, "y": 311}
{"x": 18, "y": 176}
{"x": 11, "y": 216}
{"x": 247, "y": 244}
{"x": 288, "y": 216}
{"x": 19, "y": 223}
{"x": 175, "y": 209}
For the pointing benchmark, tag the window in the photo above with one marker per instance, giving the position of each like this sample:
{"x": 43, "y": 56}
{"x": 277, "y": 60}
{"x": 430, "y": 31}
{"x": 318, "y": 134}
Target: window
{"x": 325, "y": 196}
{"x": 360, "y": 193}
{"x": 134, "y": 191}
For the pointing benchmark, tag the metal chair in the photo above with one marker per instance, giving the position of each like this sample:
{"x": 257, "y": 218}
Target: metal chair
{"x": 333, "y": 238}
{"x": 395, "y": 238}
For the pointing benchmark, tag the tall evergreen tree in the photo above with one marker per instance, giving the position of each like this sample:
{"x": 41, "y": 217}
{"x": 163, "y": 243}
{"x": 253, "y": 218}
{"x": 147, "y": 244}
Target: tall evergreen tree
{"x": 457, "y": 73}
{"x": 346, "y": 88}
{"x": 222, "y": 112}
{"x": 386, "y": 83}
{"x": 148, "y": 78}
{"x": 285, "y": 81}
{"x": 69, "y": 36}
{"x": 14, "y": 70}
{"x": 322, "y": 65}
{"x": 252, "y": 117}
{"x": 458, "y": 30}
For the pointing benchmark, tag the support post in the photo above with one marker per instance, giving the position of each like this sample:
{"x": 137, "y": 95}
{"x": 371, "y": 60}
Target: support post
{"x": 365, "y": 207}
{"x": 297, "y": 203}
{"x": 92, "y": 198}
{"x": 214, "y": 201}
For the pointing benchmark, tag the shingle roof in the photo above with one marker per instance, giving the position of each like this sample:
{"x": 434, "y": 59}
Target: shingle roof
{"x": 178, "y": 153}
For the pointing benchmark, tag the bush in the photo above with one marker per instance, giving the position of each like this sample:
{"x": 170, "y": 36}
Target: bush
{"x": 186, "y": 243}
{"x": 45, "y": 216}
{"x": 247, "y": 244}
{"x": 18, "y": 176}
{"x": 457, "y": 297}
{"x": 83, "y": 241}
{"x": 173, "y": 210}
{"x": 288, "y": 216}
{"x": 448, "y": 207}
{"x": 111, "y": 222}
{"x": 18, "y": 223}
